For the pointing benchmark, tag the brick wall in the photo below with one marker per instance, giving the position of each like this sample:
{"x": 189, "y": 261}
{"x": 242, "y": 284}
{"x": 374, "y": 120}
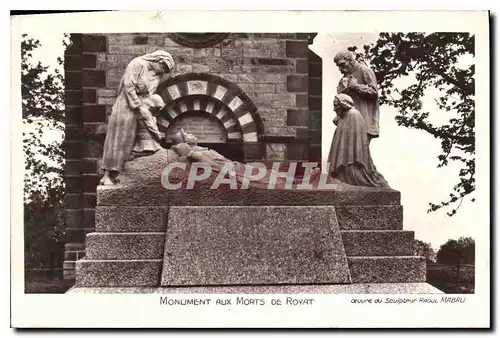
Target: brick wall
{"x": 275, "y": 70}
{"x": 314, "y": 106}
{"x": 80, "y": 187}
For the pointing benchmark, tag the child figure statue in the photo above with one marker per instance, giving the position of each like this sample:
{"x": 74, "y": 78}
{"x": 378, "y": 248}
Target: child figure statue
{"x": 148, "y": 136}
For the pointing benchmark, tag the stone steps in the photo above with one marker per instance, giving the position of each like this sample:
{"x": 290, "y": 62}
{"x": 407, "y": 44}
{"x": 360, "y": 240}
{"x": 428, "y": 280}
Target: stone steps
{"x": 147, "y": 272}
{"x": 385, "y": 269}
{"x": 378, "y": 242}
{"x": 124, "y": 246}
{"x": 128, "y": 248}
{"x": 157, "y": 195}
{"x": 130, "y": 219}
{"x": 353, "y": 289}
{"x": 370, "y": 217}
{"x": 154, "y": 219}
{"x": 144, "y": 272}
{"x": 150, "y": 245}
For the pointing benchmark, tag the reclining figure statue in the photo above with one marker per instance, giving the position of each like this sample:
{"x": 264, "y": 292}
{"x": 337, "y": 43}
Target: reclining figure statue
{"x": 237, "y": 174}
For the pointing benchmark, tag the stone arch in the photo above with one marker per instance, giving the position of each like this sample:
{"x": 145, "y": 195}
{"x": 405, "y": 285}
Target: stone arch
{"x": 214, "y": 95}
{"x": 217, "y": 131}
{"x": 198, "y": 40}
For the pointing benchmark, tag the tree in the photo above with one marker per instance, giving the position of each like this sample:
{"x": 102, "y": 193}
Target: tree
{"x": 461, "y": 251}
{"x": 457, "y": 252}
{"x": 432, "y": 61}
{"x": 44, "y": 231}
{"x": 42, "y": 94}
{"x": 43, "y": 122}
{"x": 424, "y": 249}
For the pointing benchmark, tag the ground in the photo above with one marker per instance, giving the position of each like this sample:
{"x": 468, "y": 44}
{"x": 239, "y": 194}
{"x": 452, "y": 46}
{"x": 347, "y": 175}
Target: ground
{"x": 47, "y": 285}
{"x": 450, "y": 279}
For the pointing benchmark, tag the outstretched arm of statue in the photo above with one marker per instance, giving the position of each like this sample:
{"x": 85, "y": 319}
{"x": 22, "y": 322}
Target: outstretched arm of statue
{"x": 150, "y": 122}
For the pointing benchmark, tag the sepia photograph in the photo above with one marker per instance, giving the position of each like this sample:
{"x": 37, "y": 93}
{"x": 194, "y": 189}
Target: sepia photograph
{"x": 312, "y": 163}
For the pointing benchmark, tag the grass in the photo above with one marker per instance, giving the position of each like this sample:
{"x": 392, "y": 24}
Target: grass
{"x": 451, "y": 278}
{"x": 46, "y": 281}
{"x": 48, "y": 285}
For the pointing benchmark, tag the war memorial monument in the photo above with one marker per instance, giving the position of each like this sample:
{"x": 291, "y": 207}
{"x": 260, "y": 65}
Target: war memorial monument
{"x": 190, "y": 169}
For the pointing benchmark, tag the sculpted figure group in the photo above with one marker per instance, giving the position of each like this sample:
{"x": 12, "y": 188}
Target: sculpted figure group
{"x": 134, "y": 106}
{"x": 133, "y": 132}
{"x": 357, "y": 118}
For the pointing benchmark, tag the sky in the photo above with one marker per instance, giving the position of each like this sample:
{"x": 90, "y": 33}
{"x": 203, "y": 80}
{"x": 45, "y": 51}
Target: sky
{"x": 51, "y": 48}
{"x": 407, "y": 158}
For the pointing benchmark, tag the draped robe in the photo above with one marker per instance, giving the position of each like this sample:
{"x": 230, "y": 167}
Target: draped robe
{"x": 349, "y": 158}
{"x": 364, "y": 95}
{"x": 137, "y": 82}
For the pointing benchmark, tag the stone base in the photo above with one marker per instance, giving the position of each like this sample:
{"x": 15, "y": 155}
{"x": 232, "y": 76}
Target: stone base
{"x": 253, "y": 246}
{"x": 149, "y": 239}
{"x": 147, "y": 272}
{"x": 368, "y": 288}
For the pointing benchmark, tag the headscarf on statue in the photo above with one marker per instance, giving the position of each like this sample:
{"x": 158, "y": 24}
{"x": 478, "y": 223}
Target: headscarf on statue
{"x": 160, "y": 56}
{"x": 345, "y": 101}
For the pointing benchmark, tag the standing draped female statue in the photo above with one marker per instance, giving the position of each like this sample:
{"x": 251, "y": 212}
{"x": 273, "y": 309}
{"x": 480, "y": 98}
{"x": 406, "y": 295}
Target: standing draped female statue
{"x": 139, "y": 81}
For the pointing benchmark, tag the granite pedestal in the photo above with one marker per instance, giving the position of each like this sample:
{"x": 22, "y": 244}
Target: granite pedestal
{"x": 151, "y": 240}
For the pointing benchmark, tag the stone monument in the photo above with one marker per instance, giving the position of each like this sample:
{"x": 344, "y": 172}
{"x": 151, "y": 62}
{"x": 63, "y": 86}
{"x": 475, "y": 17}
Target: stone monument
{"x": 345, "y": 239}
{"x": 273, "y": 78}
{"x": 149, "y": 239}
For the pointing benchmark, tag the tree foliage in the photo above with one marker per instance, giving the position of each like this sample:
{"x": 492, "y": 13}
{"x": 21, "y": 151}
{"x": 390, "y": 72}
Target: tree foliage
{"x": 42, "y": 93}
{"x": 44, "y": 230}
{"x": 461, "y": 251}
{"x": 434, "y": 62}
{"x": 424, "y": 249}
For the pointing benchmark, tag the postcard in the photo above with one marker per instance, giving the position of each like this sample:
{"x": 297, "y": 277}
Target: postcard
{"x": 267, "y": 169}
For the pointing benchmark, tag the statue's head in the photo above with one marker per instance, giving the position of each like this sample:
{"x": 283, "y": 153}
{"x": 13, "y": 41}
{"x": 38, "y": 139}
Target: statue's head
{"x": 160, "y": 61}
{"x": 156, "y": 102}
{"x": 183, "y": 137}
{"x": 342, "y": 102}
{"x": 345, "y": 62}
